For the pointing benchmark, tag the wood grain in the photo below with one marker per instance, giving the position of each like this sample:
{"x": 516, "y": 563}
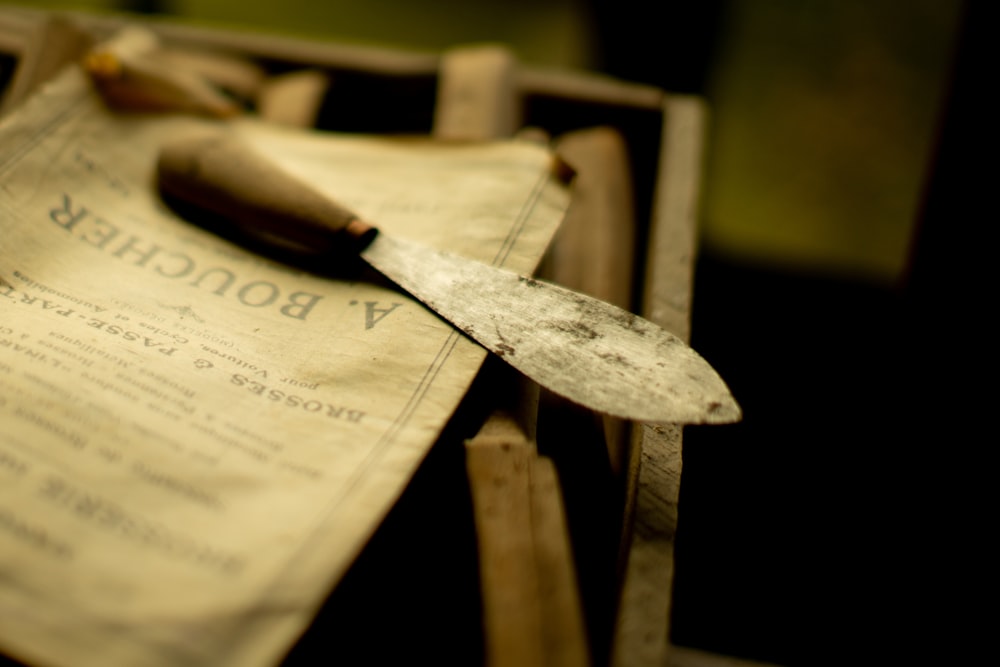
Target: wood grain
{"x": 531, "y": 607}
{"x": 642, "y": 634}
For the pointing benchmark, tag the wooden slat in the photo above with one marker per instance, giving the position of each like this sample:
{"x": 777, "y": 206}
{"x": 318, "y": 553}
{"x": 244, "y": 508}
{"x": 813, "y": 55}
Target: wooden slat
{"x": 642, "y": 634}
{"x": 292, "y": 51}
{"x": 499, "y": 471}
{"x": 477, "y": 98}
{"x": 572, "y": 85}
{"x": 588, "y": 88}
{"x": 594, "y": 250}
{"x": 564, "y": 637}
{"x": 531, "y": 606}
{"x": 594, "y": 253}
{"x": 294, "y": 98}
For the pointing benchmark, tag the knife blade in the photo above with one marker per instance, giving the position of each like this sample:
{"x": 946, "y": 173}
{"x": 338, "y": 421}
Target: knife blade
{"x": 587, "y": 350}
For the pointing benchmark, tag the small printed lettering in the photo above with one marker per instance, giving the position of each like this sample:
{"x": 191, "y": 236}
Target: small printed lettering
{"x": 12, "y": 464}
{"x": 33, "y": 534}
{"x": 131, "y": 336}
{"x": 301, "y": 469}
{"x": 52, "y": 427}
{"x": 38, "y": 287}
{"x": 180, "y": 487}
{"x": 294, "y": 401}
{"x": 88, "y": 349}
{"x": 162, "y": 397}
{"x": 24, "y": 350}
{"x": 110, "y": 517}
{"x": 237, "y": 361}
{"x": 169, "y": 264}
{"x": 299, "y": 383}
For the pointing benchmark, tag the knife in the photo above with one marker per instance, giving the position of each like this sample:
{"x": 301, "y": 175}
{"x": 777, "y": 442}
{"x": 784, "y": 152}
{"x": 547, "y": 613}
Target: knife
{"x": 587, "y": 350}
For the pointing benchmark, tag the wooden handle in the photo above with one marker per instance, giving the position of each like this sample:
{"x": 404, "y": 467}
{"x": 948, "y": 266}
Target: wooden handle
{"x": 217, "y": 172}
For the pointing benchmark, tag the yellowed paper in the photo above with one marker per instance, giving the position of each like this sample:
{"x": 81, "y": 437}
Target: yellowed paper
{"x": 196, "y": 441}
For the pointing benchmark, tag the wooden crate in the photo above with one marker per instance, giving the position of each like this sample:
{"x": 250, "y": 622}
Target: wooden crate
{"x": 620, "y": 482}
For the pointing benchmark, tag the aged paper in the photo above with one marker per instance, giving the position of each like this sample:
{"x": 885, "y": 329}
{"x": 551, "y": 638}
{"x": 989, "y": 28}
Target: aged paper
{"x": 196, "y": 441}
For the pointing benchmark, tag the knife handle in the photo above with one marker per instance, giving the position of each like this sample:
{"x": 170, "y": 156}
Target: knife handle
{"x": 217, "y": 172}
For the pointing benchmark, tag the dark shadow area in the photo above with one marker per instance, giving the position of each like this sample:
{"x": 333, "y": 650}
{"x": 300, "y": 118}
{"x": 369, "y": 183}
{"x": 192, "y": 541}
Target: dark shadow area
{"x": 668, "y": 44}
{"x": 839, "y": 522}
{"x": 791, "y": 543}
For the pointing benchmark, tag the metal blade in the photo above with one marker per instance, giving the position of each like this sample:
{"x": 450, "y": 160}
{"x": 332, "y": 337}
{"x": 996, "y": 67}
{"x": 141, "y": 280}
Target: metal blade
{"x": 584, "y": 349}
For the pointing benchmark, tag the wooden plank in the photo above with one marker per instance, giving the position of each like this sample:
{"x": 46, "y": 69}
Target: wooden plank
{"x": 477, "y": 98}
{"x": 531, "y": 607}
{"x": 594, "y": 253}
{"x": 642, "y": 633}
{"x": 564, "y": 636}
{"x": 499, "y": 474}
{"x": 594, "y": 249}
{"x": 294, "y": 51}
{"x": 293, "y": 98}
{"x": 572, "y": 85}
{"x": 588, "y": 88}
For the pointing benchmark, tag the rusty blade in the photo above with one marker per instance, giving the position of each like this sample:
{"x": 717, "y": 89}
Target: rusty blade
{"x": 587, "y": 350}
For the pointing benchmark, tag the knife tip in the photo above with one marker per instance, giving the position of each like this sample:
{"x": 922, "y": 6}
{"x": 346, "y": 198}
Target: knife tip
{"x": 723, "y": 412}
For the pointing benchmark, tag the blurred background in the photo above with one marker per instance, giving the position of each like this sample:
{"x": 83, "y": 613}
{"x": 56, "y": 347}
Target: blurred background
{"x": 824, "y": 112}
{"x": 838, "y": 288}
